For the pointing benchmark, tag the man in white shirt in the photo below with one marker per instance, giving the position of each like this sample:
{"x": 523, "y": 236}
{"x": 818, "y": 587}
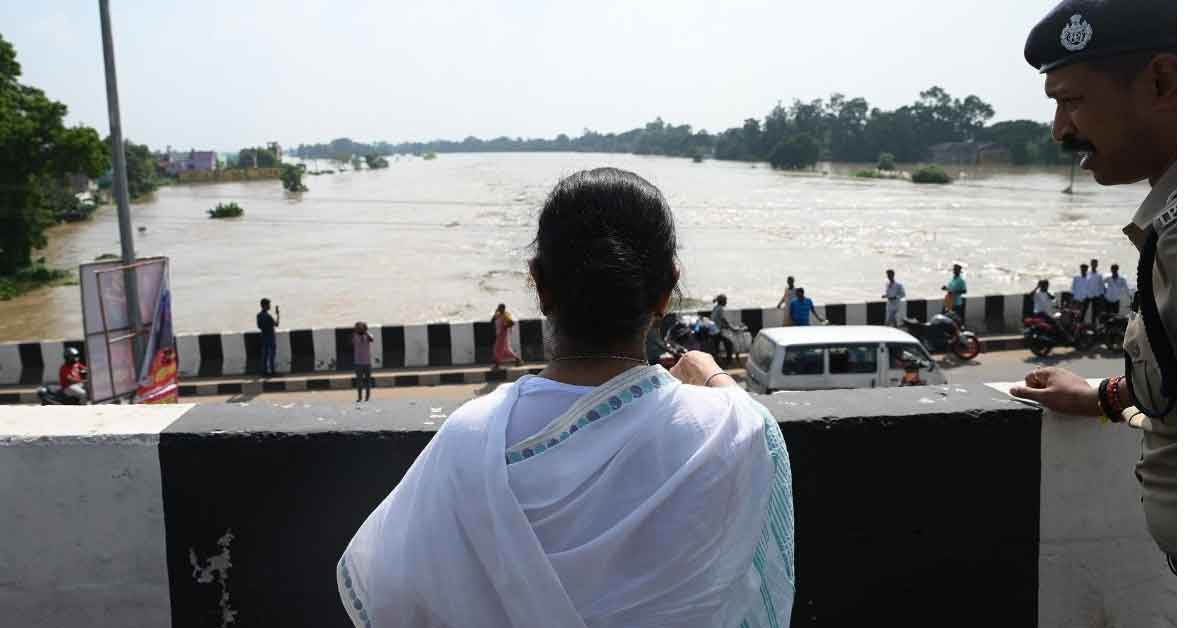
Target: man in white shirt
{"x": 1081, "y": 292}
{"x": 1043, "y": 301}
{"x": 893, "y": 291}
{"x": 1095, "y": 282}
{"x": 1115, "y": 288}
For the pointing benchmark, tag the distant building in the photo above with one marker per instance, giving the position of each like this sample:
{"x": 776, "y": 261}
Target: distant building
{"x": 189, "y": 161}
{"x": 970, "y": 153}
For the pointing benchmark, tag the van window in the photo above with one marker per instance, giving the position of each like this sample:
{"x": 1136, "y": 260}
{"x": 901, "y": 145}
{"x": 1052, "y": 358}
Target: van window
{"x": 762, "y": 352}
{"x": 896, "y": 351}
{"x": 804, "y": 361}
{"x": 853, "y": 359}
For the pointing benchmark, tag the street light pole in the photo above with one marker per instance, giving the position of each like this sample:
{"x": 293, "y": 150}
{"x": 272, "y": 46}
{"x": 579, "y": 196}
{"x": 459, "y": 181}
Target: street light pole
{"x": 121, "y": 187}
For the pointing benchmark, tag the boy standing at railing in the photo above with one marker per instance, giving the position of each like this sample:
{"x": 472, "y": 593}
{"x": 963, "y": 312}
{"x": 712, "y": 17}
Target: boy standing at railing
{"x": 362, "y": 339}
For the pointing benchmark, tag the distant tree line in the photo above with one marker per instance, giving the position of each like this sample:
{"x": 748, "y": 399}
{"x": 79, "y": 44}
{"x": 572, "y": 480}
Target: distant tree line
{"x": 838, "y": 129}
{"x": 344, "y": 150}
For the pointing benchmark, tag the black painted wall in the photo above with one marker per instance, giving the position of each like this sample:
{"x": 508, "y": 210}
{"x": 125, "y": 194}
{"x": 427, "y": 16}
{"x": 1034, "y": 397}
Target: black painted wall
{"x": 907, "y": 512}
{"x": 292, "y": 493}
{"x": 927, "y": 519}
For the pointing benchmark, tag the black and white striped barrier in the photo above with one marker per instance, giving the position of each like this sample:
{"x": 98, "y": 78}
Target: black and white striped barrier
{"x": 932, "y": 506}
{"x": 450, "y": 344}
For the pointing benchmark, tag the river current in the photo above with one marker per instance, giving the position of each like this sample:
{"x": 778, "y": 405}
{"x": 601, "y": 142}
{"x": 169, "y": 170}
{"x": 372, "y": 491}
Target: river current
{"x": 448, "y": 238}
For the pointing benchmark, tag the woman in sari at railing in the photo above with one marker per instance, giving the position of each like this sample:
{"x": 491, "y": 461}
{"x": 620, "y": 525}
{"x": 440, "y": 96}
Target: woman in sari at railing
{"x": 502, "y": 323}
{"x": 603, "y": 492}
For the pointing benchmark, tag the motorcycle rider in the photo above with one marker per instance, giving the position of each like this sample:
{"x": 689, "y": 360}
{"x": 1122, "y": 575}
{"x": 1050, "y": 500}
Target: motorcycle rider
{"x": 1116, "y": 89}
{"x": 1043, "y": 301}
{"x": 72, "y": 375}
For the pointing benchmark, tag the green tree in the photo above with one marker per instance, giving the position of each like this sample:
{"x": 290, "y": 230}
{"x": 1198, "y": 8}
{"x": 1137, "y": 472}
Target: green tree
{"x": 796, "y": 152}
{"x": 36, "y": 150}
{"x": 930, "y": 174}
{"x": 292, "y": 176}
{"x": 375, "y": 162}
{"x": 141, "y": 170}
{"x": 257, "y": 157}
{"x": 776, "y": 127}
{"x": 887, "y": 161}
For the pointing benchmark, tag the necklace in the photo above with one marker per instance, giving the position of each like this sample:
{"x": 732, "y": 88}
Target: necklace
{"x": 599, "y": 357}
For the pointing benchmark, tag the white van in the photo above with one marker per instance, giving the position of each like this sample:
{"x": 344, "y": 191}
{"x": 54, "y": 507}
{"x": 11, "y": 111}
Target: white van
{"x": 835, "y": 356}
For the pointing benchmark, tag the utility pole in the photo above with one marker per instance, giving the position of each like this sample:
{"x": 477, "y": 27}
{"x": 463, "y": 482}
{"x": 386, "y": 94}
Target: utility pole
{"x": 121, "y": 188}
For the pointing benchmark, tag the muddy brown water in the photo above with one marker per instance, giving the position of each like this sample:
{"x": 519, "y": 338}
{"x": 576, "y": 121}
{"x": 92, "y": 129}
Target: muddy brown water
{"x": 447, "y": 239}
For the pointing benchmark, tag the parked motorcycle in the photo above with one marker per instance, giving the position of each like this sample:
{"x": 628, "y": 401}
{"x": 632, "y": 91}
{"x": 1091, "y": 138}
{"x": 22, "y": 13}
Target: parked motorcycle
{"x": 54, "y": 396}
{"x": 691, "y": 332}
{"x": 944, "y": 333}
{"x": 1063, "y": 329}
{"x": 1112, "y": 331}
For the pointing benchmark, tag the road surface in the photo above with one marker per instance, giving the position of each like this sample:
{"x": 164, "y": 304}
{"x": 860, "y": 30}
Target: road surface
{"x": 1000, "y": 366}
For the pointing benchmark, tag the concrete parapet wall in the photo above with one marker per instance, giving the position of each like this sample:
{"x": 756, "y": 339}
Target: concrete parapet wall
{"x": 449, "y": 344}
{"x": 933, "y": 506}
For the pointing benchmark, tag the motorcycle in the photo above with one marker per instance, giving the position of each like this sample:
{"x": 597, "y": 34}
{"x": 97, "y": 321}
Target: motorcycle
{"x": 1112, "y": 331}
{"x": 691, "y": 332}
{"x": 945, "y": 332}
{"x": 1064, "y": 329}
{"x": 54, "y": 396}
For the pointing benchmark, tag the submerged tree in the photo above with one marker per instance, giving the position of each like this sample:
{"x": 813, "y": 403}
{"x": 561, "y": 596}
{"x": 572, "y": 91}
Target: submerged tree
{"x": 796, "y": 152}
{"x": 292, "y": 177}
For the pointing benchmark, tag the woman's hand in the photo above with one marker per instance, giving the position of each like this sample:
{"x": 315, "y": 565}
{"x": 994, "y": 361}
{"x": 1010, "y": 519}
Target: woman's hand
{"x": 1059, "y": 390}
{"x": 697, "y": 367}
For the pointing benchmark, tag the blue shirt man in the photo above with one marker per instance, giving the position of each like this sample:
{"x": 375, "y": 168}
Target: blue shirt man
{"x": 801, "y": 307}
{"x": 957, "y": 287}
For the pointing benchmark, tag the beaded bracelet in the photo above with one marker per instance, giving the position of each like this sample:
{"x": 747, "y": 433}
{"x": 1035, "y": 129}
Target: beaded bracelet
{"x": 1108, "y": 399}
{"x": 1101, "y": 400}
{"x": 1114, "y": 400}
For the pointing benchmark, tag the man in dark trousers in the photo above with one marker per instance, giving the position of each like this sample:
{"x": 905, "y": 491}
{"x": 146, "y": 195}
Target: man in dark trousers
{"x": 1111, "y": 67}
{"x": 267, "y": 325}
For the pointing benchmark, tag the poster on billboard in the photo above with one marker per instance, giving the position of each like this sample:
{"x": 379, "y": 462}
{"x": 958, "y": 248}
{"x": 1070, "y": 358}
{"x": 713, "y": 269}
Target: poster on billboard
{"x": 158, "y": 380}
{"x": 114, "y": 372}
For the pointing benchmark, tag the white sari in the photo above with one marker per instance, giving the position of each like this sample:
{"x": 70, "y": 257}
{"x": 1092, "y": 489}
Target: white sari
{"x": 648, "y": 503}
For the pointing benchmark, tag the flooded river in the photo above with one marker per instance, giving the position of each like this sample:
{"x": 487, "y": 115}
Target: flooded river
{"x": 447, "y": 239}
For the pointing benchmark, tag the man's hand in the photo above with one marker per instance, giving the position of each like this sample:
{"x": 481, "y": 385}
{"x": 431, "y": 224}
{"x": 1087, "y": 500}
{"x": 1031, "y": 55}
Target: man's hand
{"x": 1059, "y": 390}
{"x": 696, "y": 367}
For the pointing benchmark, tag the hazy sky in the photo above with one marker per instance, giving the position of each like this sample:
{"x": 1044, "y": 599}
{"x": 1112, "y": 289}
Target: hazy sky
{"x": 225, "y": 74}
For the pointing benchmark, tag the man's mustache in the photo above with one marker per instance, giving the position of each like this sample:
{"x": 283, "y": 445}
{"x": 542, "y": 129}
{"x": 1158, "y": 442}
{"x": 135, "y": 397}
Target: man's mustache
{"x": 1072, "y": 144}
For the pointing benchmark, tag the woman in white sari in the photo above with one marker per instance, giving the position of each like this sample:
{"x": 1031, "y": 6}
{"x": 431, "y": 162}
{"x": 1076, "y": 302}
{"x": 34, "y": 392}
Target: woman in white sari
{"x": 603, "y": 492}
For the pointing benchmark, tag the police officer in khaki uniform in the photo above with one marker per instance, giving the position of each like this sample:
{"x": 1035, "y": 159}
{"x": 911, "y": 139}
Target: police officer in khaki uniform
{"x": 1110, "y": 67}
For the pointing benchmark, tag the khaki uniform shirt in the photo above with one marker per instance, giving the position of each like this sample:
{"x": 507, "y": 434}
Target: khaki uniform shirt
{"x": 1156, "y": 466}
